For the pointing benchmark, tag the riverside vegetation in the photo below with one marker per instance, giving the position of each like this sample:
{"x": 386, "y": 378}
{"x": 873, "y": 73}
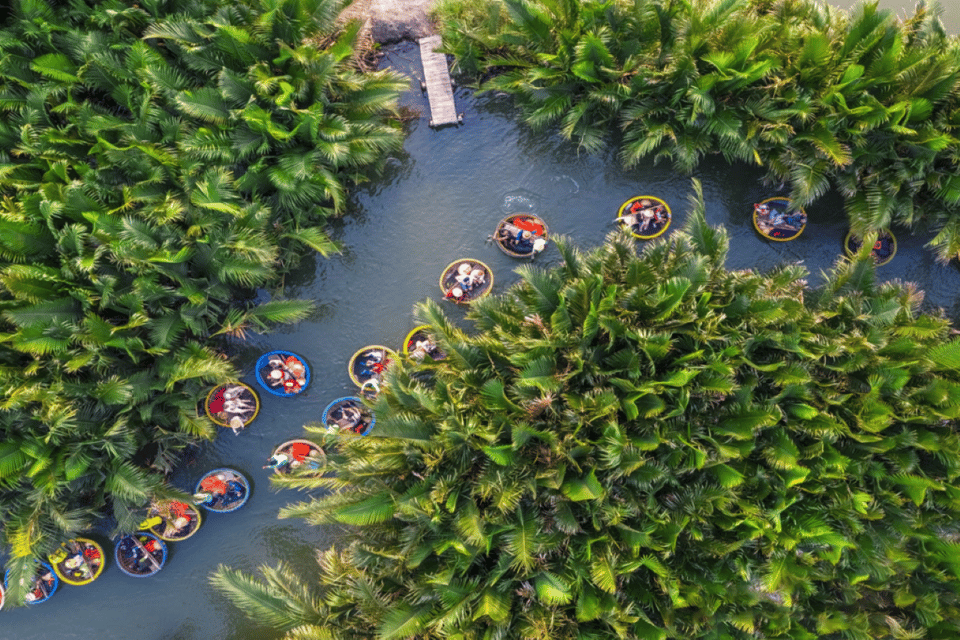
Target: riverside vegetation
{"x": 643, "y": 446}
{"x": 647, "y": 446}
{"x": 158, "y": 162}
{"x": 864, "y": 103}
{"x": 653, "y": 446}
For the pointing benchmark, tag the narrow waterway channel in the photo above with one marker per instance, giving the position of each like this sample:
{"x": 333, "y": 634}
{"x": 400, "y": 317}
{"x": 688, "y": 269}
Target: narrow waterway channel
{"x": 436, "y": 203}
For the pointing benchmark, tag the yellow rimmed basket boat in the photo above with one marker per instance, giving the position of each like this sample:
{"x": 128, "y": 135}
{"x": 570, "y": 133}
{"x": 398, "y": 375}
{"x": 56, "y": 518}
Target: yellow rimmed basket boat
{"x": 466, "y": 280}
{"x": 420, "y": 344}
{"x": 644, "y": 217}
{"x": 884, "y": 247}
{"x": 233, "y": 405}
{"x": 367, "y": 365}
{"x": 78, "y": 561}
{"x": 172, "y": 520}
{"x": 774, "y": 219}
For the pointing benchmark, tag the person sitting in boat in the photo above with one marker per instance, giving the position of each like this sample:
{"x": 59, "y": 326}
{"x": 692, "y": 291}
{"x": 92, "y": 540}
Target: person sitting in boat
{"x": 507, "y": 233}
{"x": 77, "y": 568}
{"x": 423, "y": 348}
{"x": 370, "y": 388}
{"x": 279, "y": 461}
{"x": 276, "y": 377}
{"x": 457, "y": 294}
{"x": 649, "y": 214}
{"x": 463, "y": 278}
{"x": 38, "y": 592}
{"x": 631, "y": 221}
{"x": 539, "y": 244}
{"x": 291, "y": 385}
{"x": 301, "y": 453}
{"x": 373, "y": 364}
{"x": 477, "y": 278}
{"x": 350, "y": 419}
{"x": 524, "y": 241}
{"x": 222, "y": 487}
{"x": 296, "y": 368}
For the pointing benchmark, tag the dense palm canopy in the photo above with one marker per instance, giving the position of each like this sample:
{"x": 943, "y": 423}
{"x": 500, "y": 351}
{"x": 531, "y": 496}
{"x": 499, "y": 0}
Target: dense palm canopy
{"x": 158, "y": 161}
{"x": 863, "y": 103}
{"x": 648, "y": 446}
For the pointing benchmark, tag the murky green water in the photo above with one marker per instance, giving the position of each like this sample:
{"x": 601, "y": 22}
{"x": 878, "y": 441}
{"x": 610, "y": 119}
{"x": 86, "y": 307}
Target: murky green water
{"x": 437, "y": 203}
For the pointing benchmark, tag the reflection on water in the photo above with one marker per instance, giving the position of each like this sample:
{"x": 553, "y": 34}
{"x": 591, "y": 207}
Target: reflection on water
{"x": 436, "y": 202}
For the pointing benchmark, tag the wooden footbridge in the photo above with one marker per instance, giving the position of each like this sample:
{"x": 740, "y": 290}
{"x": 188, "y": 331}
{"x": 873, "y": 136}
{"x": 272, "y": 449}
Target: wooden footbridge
{"x": 436, "y": 82}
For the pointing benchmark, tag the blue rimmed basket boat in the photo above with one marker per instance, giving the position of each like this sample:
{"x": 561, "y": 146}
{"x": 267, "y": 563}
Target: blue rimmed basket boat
{"x": 349, "y": 414}
{"x": 644, "y": 217}
{"x": 223, "y": 499}
{"x": 517, "y": 235}
{"x": 450, "y": 281}
{"x": 774, "y": 219}
{"x": 422, "y": 334}
{"x": 45, "y": 583}
{"x": 78, "y": 561}
{"x": 140, "y": 555}
{"x": 294, "y": 373}
{"x": 884, "y": 247}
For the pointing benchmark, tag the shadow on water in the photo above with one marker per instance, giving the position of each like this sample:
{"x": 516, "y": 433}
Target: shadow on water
{"x": 436, "y": 203}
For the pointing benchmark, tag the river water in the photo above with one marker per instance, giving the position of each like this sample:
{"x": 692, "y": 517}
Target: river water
{"x": 436, "y": 203}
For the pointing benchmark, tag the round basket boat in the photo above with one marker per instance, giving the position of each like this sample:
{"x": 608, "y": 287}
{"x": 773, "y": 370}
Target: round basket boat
{"x": 367, "y": 365}
{"x": 222, "y": 490}
{"x": 283, "y": 373}
{"x": 466, "y": 280}
{"x": 774, "y": 220}
{"x": 884, "y": 248}
{"x": 233, "y": 405}
{"x": 644, "y": 217}
{"x": 140, "y": 555}
{"x": 521, "y": 235}
{"x": 45, "y": 583}
{"x": 419, "y": 344}
{"x": 172, "y": 520}
{"x": 296, "y": 455}
{"x": 348, "y": 415}
{"x": 78, "y": 561}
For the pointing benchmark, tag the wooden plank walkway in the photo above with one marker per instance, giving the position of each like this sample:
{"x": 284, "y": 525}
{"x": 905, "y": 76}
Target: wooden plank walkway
{"x": 437, "y": 83}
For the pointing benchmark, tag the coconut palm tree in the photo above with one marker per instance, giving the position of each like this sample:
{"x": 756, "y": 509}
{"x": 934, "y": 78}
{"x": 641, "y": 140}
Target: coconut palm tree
{"x": 863, "y": 103}
{"x": 155, "y": 171}
{"x": 649, "y": 446}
